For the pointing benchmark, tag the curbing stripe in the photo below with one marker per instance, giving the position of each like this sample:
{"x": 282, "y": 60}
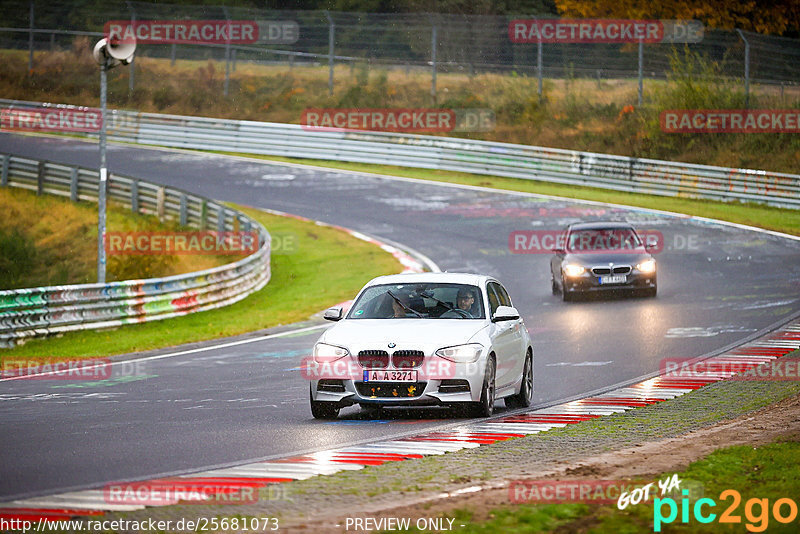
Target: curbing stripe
{"x": 658, "y": 389}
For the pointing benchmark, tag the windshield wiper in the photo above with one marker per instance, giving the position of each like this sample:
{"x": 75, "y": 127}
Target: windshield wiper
{"x": 400, "y": 302}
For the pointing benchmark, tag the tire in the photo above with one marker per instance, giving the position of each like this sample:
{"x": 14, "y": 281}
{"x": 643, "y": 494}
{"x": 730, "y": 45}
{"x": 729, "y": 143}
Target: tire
{"x": 323, "y": 410}
{"x": 525, "y": 395}
{"x": 485, "y": 407}
{"x": 566, "y": 296}
{"x": 554, "y": 286}
{"x": 651, "y": 292}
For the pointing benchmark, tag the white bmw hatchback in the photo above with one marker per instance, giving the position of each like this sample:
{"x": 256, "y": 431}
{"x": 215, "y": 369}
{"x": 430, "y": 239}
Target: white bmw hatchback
{"x": 423, "y": 339}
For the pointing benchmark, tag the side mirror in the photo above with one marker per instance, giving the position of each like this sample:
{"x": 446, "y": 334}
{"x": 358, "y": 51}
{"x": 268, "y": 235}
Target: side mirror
{"x": 650, "y": 246}
{"x": 558, "y": 250}
{"x": 333, "y": 314}
{"x": 505, "y": 313}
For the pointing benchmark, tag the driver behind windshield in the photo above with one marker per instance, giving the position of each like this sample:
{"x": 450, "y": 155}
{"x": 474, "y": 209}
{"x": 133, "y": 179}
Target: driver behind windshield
{"x": 465, "y": 300}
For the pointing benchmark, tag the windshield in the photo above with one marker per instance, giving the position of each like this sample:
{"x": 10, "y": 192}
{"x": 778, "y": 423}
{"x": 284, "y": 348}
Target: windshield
{"x": 603, "y": 240}
{"x": 420, "y": 300}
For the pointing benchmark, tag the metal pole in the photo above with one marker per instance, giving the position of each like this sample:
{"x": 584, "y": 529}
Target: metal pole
{"x": 172, "y": 55}
{"x": 331, "y": 38}
{"x": 539, "y": 68}
{"x": 433, "y": 63}
{"x": 746, "y": 70}
{"x": 227, "y": 54}
{"x": 641, "y": 69}
{"x": 132, "y": 66}
{"x": 30, "y": 40}
{"x": 101, "y": 190}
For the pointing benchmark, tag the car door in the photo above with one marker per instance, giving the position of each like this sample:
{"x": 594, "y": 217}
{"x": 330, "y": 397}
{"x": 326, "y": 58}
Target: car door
{"x": 505, "y": 338}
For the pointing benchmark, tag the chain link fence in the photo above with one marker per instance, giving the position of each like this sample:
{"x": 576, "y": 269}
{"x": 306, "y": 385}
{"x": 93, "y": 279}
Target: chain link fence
{"x": 438, "y": 43}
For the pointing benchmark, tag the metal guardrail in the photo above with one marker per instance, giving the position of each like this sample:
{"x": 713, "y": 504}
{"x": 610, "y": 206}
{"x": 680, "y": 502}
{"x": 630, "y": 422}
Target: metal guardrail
{"x": 571, "y": 167}
{"x": 44, "y": 311}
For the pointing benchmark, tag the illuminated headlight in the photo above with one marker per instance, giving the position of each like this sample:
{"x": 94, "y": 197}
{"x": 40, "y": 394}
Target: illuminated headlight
{"x": 328, "y": 353}
{"x": 648, "y": 266}
{"x": 461, "y": 353}
{"x": 571, "y": 269}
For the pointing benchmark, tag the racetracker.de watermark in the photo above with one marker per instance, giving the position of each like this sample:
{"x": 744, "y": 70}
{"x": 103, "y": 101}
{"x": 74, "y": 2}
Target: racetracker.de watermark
{"x": 167, "y": 492}
{"x": 732, "y": 367}
{"x": 546, "y": 241}
{"x": 604, "y": 31}
{"x": 430, "y": 120}
{"x": 202, "y": 31}
{"x": 51, "y": 119}
{"x": 181, "y": 243}
{"x": 46, "y": 369}
{"x": 730, "y": 121}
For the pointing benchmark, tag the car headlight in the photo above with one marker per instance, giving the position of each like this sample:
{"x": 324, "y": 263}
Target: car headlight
{"x": 572, "y": 269}
{"x": 328, "y": 353}
{"x": 647, "y": 266}
{"x": 461, "y": 353}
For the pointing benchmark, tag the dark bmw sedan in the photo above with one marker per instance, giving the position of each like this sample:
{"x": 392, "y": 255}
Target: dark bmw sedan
{"x": 602, "y": 256}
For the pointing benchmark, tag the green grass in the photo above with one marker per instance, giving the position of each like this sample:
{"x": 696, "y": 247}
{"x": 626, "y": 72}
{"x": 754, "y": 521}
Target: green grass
{"x": 48, "y": 240}
{"x": 770, "y": 218}
{"x": 327, "y": 267}
{"x": 769, "y": 472}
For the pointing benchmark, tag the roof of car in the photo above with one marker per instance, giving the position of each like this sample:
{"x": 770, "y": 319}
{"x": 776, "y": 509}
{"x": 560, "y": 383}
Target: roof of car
{"x": 598, "y": 225}
{"x": 411, "y": 278}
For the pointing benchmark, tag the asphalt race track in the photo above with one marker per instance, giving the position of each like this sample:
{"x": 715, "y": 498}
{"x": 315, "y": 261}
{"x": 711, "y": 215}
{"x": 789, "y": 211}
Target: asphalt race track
{"x": 718, "y": 285}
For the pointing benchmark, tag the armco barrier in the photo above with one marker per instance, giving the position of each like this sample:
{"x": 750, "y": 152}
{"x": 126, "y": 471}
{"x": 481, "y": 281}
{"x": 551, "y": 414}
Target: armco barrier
{"x": 479, "y": 157}
{"x": 43, "y": 311}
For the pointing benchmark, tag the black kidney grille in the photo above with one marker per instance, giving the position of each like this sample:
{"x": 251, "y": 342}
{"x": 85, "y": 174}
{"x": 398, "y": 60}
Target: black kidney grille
{"x": 373, "y": 359}
{"x": 407, "y": 359}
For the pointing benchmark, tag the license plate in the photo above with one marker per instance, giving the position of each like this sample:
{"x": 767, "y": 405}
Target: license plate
{"x": 383, "y": 375}
{"x": 615, "y": 279}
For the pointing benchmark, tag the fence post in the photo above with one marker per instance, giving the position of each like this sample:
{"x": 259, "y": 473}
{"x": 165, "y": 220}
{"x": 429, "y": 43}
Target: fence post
{"x": 227, "y": 53}
{"x": 30, "y": 40}
{"x": 539, "y": 68}
{"x": 641, "y": 69}
{"x": 160, "y": 194}
{"x": 746, "y": 70}
{"x": 40, "y": 178}
{"x": 233, "y": 59}
{"x": 331, "y": 39}
{"x": 433, "y": 63}
{"x": 4, "y": 175}
{"x": 73, "y": 184}
{"x": 172, "y": 55}
{"x": 132, "y": 66}
{"x": 135, "y": 196}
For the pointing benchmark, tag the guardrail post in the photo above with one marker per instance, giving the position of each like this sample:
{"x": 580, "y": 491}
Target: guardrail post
{"x": 73, "y": 184}
{"x": 40, "y": 178}
{"x": 203, "y": 214}
{"x": 160, "y": 203}
{"x": 220, "y": 219}
{"x": 135, "y": 196}
{"x": 4, "y": 175}
{"x": 183, "y": 210}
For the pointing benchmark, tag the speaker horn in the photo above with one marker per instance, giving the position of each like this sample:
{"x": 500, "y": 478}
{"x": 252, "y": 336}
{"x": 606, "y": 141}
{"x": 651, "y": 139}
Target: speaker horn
{"x": 114, "y": 51}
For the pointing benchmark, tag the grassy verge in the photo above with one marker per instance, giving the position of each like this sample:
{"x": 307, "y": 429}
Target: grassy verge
{"x": 48, "y": 240}
{"x": 770, "y": 218}
{"x": 769, "y": 472}
{"x": 296, "y": 291}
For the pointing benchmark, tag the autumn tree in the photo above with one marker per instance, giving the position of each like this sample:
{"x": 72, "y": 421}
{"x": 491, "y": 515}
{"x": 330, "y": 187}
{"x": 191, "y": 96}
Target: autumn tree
{"x": 762, "y": 16}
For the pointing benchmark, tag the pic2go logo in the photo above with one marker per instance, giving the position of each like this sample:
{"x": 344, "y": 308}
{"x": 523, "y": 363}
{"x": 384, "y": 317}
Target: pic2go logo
{"x": 756, "y": 511}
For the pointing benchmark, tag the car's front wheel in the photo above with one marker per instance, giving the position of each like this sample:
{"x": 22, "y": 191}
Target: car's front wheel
{"x": 485, "y": 407}
{"x": 323, "y": 410}
{"x": 525, "y": 395}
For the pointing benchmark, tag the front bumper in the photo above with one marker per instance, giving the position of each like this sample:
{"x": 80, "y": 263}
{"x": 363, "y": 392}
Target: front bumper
{"x": 590, "y": 282}
{"x": 428, "y": 393}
